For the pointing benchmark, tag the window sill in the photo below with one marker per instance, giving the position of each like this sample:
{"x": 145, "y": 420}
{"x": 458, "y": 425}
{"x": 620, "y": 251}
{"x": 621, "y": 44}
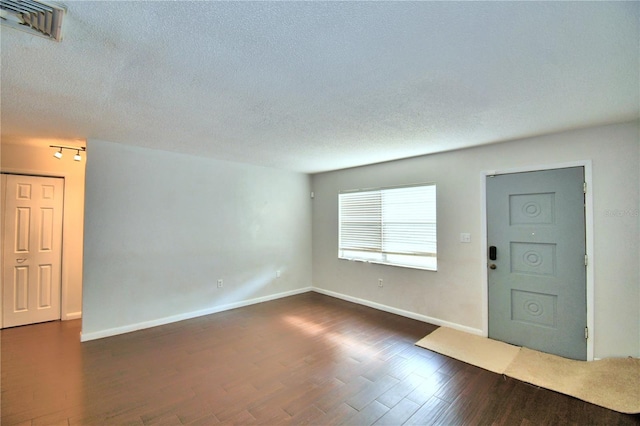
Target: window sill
{"x": 399, "y": 265}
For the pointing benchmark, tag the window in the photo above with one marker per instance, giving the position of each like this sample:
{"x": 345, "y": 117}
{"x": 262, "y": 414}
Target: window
{"x": 394, "y": 226}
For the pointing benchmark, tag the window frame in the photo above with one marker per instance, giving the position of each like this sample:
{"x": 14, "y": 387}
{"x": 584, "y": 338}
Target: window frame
{"x": 386, "y": 215}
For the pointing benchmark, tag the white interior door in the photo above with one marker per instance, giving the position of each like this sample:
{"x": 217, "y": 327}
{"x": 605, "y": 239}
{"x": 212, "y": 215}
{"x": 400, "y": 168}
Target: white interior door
{"x": 32, "y": 249}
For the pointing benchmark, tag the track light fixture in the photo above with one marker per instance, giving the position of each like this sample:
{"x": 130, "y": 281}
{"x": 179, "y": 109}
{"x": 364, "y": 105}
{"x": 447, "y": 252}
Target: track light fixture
{"x": 77, "y": 149}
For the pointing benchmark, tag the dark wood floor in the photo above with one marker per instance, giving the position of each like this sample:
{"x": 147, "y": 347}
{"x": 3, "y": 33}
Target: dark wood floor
{"x": 307, "y": 359}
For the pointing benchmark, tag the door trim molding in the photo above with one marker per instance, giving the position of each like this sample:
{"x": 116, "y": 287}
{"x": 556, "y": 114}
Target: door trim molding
{"x": 64, "y": 259}
{"x": 588, "y": 234}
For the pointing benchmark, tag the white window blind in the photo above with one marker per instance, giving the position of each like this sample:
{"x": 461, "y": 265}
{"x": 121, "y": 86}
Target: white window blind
{"x": 394, "y": 226}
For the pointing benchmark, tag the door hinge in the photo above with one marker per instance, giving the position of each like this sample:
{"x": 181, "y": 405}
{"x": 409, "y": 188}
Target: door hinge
{"x": 586, "y": 260}
{"x": 586, "y": 333}
{"x": 584, "y": 187}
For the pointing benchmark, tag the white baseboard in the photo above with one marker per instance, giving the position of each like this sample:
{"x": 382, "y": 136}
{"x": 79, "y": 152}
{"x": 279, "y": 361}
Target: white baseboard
{"x": 401, "y": 312}
{"x": 84, "y": 337}
{"x": 72, "y": 316}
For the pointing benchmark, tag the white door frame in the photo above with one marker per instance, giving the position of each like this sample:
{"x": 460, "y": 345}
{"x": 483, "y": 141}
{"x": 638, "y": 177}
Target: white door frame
{"x": 589, "y": 240}
{"x": 63, "y": 275}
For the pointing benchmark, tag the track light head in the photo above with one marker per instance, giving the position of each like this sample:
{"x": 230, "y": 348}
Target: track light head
{"x": 58, "y": 154}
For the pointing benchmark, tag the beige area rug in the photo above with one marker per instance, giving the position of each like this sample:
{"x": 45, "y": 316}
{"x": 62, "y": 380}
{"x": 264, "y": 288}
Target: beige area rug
{"x": 489, "y": 354}
{"x": 613, "y": 383}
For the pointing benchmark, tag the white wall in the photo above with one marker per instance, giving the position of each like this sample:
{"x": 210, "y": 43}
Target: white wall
{"x": 34, "y": 157}
{"x": 453, "y": 295}
{"x": 161, "y": 228}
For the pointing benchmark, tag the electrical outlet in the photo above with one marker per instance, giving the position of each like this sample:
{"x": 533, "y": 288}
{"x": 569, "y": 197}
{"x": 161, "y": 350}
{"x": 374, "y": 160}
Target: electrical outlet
{"x": 379, "y": 282}
{"x": 220, "y": 283}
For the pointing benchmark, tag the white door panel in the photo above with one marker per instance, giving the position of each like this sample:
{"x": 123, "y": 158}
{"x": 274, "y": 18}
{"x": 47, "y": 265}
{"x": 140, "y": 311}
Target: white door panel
{"x": 32, "y": 249}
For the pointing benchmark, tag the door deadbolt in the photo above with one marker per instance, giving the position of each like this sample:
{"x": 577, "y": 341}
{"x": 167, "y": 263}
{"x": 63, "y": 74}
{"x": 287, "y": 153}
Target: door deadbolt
{"x": 493, "y": 253}
{"x": 492, "y": 266}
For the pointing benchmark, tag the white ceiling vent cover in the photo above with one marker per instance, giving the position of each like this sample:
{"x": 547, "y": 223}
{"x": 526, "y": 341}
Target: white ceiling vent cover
{"x": 36, "y": 17}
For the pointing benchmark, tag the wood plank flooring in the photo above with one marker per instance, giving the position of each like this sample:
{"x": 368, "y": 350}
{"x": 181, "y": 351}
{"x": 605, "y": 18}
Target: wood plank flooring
{"x": 306, "y": 359}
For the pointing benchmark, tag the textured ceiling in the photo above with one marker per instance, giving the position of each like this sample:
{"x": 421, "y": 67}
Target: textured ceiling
{"x": 316, "y": 86}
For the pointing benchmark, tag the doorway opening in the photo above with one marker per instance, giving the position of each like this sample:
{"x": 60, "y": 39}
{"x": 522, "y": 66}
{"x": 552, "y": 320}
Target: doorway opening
{"x": 35, "y": 158}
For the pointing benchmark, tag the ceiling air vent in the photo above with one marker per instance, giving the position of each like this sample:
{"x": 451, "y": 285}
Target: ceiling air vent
{"x": 36, "y": 17}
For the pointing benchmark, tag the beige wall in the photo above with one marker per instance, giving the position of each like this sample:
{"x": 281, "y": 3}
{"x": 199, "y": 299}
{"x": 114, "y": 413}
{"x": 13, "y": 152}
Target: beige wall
{"x": 455, "y": 294}
{"x": 162, "y": 227}
{"x": 34, "y": 157}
